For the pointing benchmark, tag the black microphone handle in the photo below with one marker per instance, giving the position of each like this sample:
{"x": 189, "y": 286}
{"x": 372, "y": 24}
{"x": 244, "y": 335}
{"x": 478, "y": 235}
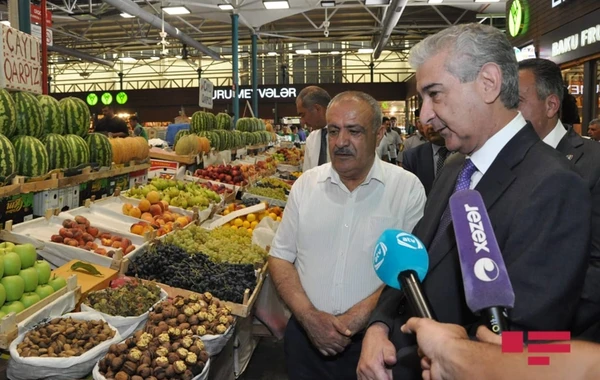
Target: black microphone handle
{"x": 415, "y": 295}
{"x": 495, "y": 319}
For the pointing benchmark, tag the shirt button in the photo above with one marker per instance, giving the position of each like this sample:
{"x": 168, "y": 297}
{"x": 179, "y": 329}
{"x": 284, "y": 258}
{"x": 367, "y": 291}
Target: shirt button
{"x": 345, "y": 225}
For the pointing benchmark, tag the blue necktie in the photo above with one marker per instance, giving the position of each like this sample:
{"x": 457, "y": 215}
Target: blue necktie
{"x": 462, "y": 183}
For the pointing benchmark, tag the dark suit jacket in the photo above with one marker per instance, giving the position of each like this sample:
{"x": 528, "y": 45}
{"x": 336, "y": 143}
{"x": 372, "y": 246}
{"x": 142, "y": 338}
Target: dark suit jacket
{"x": 419, "y": 161}
{"x": 585, "y": 154}
{"x": 540, "y": 211}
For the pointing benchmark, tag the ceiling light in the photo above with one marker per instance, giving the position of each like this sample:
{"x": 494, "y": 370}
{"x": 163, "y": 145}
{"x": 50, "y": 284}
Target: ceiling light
{"x": 272, "y": 53}
{"x": 334, "y": 52}
{"x": 127, "y": 59}
{"x": 179, "y": 56}
{"x": 84, "y": 16}
{"x": 435, "y": 1}
{"x": 365, "y": 51}
{"x": 154, "y": 58}
{"x": 126, "y": 15}
{"x": 226, "y": 7}
{"x": 303, "y": 51}
{"x": 177, "y": 10}
{"x": 377, "y": 2}
{"x": 276, "y": 4}
{"x": 327, "y": 3}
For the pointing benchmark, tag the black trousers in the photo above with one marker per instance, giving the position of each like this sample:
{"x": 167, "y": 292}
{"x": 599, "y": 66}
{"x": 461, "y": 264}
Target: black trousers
{"x": 393, "y": 161}
{"x": 305, "y": 362}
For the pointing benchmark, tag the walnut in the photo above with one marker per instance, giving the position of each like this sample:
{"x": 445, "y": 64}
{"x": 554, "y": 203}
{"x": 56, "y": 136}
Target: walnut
{"x": 161, "y": 361}
{"x": 210, "y": 317}
{"x": 185, "y": 332}
{"x": 164, "y": 338}
{"x": 201, "y": 330}
{"x": 223, "y": 320}
{"x": 134, "y": 355}
{"x": 202, "y": 316}
{"x": 221, "y": 329}
{"x": 180, "y": 366}
{"x": 130, "y": 368}
{"x": 182, "y": 352}
{"x": 193, "y": 297}
{"x": 121, "y": 376}
{"x": 203, "y": 356}
{"x": 208, "y": 296}
{"x": 170, "y": 371}
{"x": 162, "y": 351}
{"x": 196, "y": 307}
{"x": 173, "y": 357}
{"x": 181, "y": 318}
{"x": 188, "y": 311}
{"x": 121, "y": 348}
{"x": 117, "y": 363}
{"x": 144, "y": 371}
{"x": 200, "y": 344}
{"x": 215, "y": 302}
{"x": 191, "y": 359}
{"x": 193, "y": 320}
{"x": 136, "y": 377}
{"x": 178, "y": 302}
{"x": 187, "y": 341}
{"x": 203, "y": 305}
{"x": 175, "y": 332}
{"x": 142, "y": 343}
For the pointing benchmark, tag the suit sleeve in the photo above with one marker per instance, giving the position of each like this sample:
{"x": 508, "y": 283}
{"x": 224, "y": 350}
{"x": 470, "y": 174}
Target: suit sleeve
{"x": 549, "y": 238}
{"x": 408, "y": 162}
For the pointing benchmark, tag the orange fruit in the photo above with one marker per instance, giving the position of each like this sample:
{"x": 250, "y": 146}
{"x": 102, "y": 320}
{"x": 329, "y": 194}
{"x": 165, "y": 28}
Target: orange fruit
{"x": 246, "y": 224}
{"x": 135, "y": 212}
{"x": 251, "y": 217}
{"x": 253, "y": 224}
{"x": 238, "y": 222}
{"x": 137, "y": 229}
{"x": 273, "y": 216}
{"x": 144, "y": 205}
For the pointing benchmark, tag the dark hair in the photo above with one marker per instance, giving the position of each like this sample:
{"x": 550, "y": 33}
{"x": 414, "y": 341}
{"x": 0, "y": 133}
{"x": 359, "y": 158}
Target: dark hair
{"x": 311, "y": 95}
{"x": 548, "y": 78}
{"x": 293, "y": 127}
{"x": 134, "y": 118}
{"x": 569, "y": 113}
{"x": 393, "y": 118}
{"x": 384, "y": 119}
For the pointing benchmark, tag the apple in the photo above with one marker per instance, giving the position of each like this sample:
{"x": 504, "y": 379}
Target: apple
{"x": 2, "y": 295}
{"x": 57, "y": 282}
{"x": 12, "y": 264}
{"x": 13, "y": 307}
{"x": 44, "y": 291}
{"x": 30, "y": 278}
{"x": 2, "y": 314}
{"x": 27, "y": 253}
{"x": 29, "y": 299}
{"x": 8, "y": 246}
{"x": 43, "y": 270}
{"x": 14, "y": 287}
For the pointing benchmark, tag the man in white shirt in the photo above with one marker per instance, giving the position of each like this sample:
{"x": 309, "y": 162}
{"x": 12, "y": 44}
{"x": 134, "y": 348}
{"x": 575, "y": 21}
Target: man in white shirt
{"x": 413, "y": 141}
{"x": 321, "y": 257}
{"x": 311, "y": 105}
{"x": 541, "y": 95}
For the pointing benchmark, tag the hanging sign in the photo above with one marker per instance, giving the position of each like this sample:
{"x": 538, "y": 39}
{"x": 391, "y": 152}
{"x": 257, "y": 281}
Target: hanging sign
{"x": 21, "y": 69}
{"x": 206, "y": 93}
{"x": 106, "y": 98}
{"x": 121, "y": 97}
{"x": 92, "y": 99}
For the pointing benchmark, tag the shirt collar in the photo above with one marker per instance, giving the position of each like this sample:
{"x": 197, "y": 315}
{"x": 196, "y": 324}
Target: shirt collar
{"x": 486, "y": 155}
{"x": 435, "y": 148}
{"x": 555, "y": 135}
{"x": 326, "y": 171}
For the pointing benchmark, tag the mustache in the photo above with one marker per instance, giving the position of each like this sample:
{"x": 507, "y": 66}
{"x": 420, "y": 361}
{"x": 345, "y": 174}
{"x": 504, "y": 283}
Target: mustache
{"x": 343, "y": 151}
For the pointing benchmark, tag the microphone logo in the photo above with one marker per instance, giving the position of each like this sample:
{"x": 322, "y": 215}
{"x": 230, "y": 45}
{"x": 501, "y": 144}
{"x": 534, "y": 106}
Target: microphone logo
{"x": 379, "y": 255}
{"x": 409, "y": 241}
{"x": 486, "y": 269}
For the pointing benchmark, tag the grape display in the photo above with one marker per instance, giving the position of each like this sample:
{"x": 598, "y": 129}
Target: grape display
{"x": 172, "y": 265}
{"x": 268, "y": 192}
{"x": 249, "y": 202}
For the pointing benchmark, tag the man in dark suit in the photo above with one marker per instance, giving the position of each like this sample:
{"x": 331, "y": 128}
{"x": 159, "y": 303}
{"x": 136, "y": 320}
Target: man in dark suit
{"x": 541, "y": 93}
{"x": 468, "y": 78}
{"x": 426, "y": 160}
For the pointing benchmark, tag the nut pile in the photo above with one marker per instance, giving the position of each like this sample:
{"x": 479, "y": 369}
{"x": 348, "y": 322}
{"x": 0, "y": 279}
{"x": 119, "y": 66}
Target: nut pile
{"x": 145, "y": 356}
{"x": 197, "y": 314}
{"x": 131, "y": 299}
{"x": 64, "y": 337}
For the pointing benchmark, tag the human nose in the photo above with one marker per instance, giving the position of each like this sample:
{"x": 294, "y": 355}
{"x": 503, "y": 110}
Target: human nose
{"x": 427, "y": 114}
{"x": 342, "y": 138}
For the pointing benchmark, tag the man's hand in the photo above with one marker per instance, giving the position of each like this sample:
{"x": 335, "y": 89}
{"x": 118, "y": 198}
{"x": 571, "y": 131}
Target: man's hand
{"x": 486, "y": 335}
{"x": 328, "y": 334}
{"x": 376, "y": 355}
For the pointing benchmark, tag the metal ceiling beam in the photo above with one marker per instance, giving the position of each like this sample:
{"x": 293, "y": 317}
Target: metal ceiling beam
{"x": 392, "y": 16}
{"x": 79, "y": 54}
{"x": 133, "y": 9}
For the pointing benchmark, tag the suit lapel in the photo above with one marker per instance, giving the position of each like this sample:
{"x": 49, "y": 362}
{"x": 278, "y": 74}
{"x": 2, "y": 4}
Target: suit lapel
{"x": 427, "y": 160}
{"x": 570, "y": 145}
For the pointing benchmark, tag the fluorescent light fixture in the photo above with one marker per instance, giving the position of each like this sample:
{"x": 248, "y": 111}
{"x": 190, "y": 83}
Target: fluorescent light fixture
{"x": 377, "y": 2}
{"x": 435, "y": 1}
{"x": 177, "y": 10}
{"x": 272, "y": 53}
{"x": 334, "y": 52}
{"x": 327, "y": 3}
{"x": 5, "y": 22}
{"x": 276, "y": 4}
{"x": 226, "y": 7}
{"x": 487, "y": 1}
{"x": 126, "y": 15}
{"x": 178, "y": 56}
{"x": 84, "y": 16}
{"x": 303, "y": 51}
{"x": 365, "y": 51}
{"x": 154, "y": 58}
{"x": 127, "y": 59}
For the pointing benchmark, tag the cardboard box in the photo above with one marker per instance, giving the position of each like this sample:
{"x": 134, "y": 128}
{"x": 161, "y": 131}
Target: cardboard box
{"x": 68, "y": 198}
{"x": 84, "y": 192}
{"x": 18, "y": 208}
{"x": 166, "y": 169}
{"x": 97, "y": 188}
{"x": 45, "y": 200}
{"x": 120, "y": 181}
{"x": 139, "y": 177}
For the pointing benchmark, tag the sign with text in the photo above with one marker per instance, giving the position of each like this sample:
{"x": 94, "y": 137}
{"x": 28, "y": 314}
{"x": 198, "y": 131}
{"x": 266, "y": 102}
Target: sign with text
{"x": 21, "y": 61}
{"x": 36, "y": 31}
{"x": 263, "y": 93}
{"x": 36, "y": 15}
{"x": 206, "y": 93}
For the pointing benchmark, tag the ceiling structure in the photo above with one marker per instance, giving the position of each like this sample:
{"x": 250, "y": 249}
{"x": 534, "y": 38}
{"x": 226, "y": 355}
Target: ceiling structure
{"x": 305, "y": 24}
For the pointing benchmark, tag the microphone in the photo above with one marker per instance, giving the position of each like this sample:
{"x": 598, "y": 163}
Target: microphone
{"x": 487, "y": 286}
{"x": 401, "y": 261}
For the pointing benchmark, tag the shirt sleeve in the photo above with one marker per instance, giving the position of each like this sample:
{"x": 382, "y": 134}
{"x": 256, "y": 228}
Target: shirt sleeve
{"x": 415, "y": 206}
{"x": 284, "y": 243}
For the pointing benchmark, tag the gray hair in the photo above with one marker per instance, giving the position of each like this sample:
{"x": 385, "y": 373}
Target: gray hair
{"x": 376, "y": 113}
{"x": 311, "y": 95}
{"x": 595, "y": 122}
{"x": 470, "y": 47}
{"x": 548, "y": 77}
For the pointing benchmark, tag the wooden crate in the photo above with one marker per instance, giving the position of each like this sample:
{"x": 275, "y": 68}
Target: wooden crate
{"x": 9, "y": 324}
{"x": 37, "y": 184}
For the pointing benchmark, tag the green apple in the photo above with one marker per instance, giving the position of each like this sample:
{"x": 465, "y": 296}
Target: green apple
{"x": 44, "y": 291}
{"x": 27, "y": 253}
{"x": 30, "y": 277}
{"x": 13, "y": 307}
{"x": 14, "y": 287}
{"x": 8, "y": 246}
{"x": 2, "y": 295}
{"x": 12, "y": 264}
{"x": 57, "y": 282}
{"x": 43, "y": 270}
{"x": 29, "y": 299}
{"x": 2, "y": 314}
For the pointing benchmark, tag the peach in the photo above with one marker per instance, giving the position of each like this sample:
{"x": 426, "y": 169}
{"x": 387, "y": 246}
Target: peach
{"x": 144, "y": 205}
{"x": 153, "y": 197}
{"x": 165, "y": 205}
{"x": 137, "y": 229}
{"x": 135, "y": 212}
{"x": 148, "y": 217}
{"x": 155, "y": 210}
{"x": 126, "y": 208}
{"x": 182, "y": 221}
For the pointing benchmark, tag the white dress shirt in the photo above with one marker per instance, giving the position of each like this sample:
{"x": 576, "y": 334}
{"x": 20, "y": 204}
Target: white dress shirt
{"x": 393, "y": 143}
{"x": 329, "y": 233}
{"x": 486, "y": 155}
{"x": 555, "y": 135}
{"x": 312, "y": 149}
{"x": 412, "y": 142}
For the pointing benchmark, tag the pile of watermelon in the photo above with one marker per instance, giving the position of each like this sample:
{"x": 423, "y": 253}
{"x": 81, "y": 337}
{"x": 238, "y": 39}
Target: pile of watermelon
{"x": 202, "y": 122}
{"x": 250, "y": 124}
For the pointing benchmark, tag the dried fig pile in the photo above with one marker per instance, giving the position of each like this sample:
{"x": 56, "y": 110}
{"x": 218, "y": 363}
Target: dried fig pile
{"x": 198, "y": 314}
{"x": 145, "y": 356}
{"x": 129, "y": 300}
{"x": 64, "y": 337}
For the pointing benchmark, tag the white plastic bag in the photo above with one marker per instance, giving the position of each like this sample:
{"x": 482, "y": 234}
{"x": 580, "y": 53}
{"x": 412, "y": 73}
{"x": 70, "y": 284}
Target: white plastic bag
{"x": 264, "y": 232}
{"x": 126, "y": 325}
{"x": 202, "y": 376}
{"x": 76, "y": 367}
{"x": 213, "y": 344}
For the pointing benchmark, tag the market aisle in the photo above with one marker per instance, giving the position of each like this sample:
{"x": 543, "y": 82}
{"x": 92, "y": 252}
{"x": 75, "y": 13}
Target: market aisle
{"x": 267, "y": 363}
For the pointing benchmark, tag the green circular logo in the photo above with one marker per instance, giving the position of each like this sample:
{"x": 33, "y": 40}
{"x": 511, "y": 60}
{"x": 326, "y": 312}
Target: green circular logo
{"x": 122, "y": 97}
{"x": 515, "y": 18}
{"x": 92, "y": 99}
{"x": 106, "y": 98}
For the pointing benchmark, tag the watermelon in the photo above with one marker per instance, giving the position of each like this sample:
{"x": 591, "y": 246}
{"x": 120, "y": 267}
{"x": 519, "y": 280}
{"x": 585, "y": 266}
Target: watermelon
{"x": 8, "y": 163}
{"x": 29, "y": 115}
{"x": 100, "y": 149}
{"x": 180, "y": 134}
{"x": 59, "y": 151}
{"x": 53, "y": 119}
{"x": 224, "y": 121}
{"x": 77, "y": 116}
{"x": 80, "y": 152}
{"x": 31, "y": 156}
{"x": 202, "y": 121}
{"x": 8, "y": 114}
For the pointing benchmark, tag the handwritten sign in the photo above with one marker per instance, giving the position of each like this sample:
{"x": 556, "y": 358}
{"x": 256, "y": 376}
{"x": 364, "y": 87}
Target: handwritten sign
{"x": 21, "y": 61}
{"x": 206, "y": 93}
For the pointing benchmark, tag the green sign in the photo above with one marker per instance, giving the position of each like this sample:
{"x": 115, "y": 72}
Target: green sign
{"x": 106, "y": 98}
{"x": 121, "y": 97}
{"x": 515, "y": 18}
{"x": 92, "y": 99}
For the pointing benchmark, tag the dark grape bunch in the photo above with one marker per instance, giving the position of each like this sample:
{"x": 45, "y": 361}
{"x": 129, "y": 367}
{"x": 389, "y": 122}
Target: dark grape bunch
{"x": 171, "y": 265}
{"x": 248, "y": 202}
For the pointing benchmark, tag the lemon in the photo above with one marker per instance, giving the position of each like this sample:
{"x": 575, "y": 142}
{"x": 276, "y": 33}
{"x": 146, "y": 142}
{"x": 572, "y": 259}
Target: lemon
{"x": 250, "y": 231}
{"x": 238, "y": 222}
{"x": 279, "y": 219}
{"x": 253, "y": 224}
{"x": 251, "y": 217}
{"x": 246, "y": 224}
{"x": 226, "y": 212}
{"x": 273, "y": 216}
{"x": 234, "y": 227}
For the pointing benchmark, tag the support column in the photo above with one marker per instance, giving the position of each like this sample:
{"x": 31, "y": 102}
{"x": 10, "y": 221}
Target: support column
{"x": 120, "y": 81}
{"x": 372, "y": 69}
{"x": 25, "y": 16}
{"x": 199, "y": 71}
{"x": 235, "y": 64}
{"x": 589, "y": 95}
{"x": 255, "y": 74}
{"x": 45, "y": 89}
